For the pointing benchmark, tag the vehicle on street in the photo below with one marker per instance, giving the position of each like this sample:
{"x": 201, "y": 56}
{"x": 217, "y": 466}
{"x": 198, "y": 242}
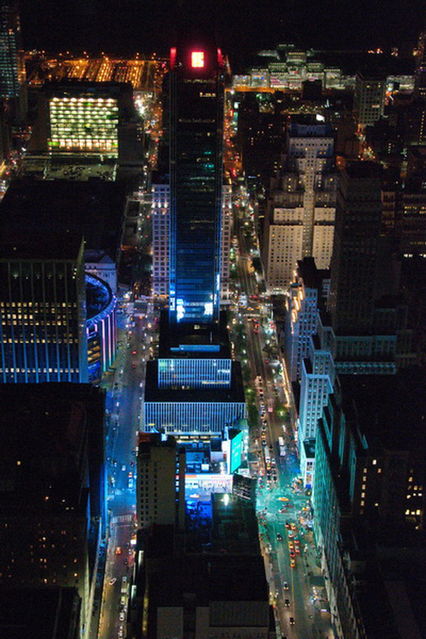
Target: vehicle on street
{"x": 285, "y": 585}
{"x": 292, "y": 621}
{"x": 118, "y": 550}
{"x": 112, "y": 581}
{"x": 279, "y": 537}
{"x": 287, "y": 603}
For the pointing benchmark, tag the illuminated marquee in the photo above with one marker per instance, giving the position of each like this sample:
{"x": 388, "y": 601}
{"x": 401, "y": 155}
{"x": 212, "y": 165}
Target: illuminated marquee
{"x": 197, "y": 59}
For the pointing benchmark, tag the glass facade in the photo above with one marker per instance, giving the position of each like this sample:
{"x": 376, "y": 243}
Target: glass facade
{"x": 87, "y": 124}
{"x": 194, "y": 418}
{"x": 196, "y": 140}
{"x": 42, "y": 314}
{"x": 194, "y": 373}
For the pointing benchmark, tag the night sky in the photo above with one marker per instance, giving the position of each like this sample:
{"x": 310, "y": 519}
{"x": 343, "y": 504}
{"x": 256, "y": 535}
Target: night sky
{"x": 242, "y": 26}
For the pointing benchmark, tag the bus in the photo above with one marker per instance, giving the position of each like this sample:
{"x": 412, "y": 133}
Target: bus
{"x": 281, "y": 446}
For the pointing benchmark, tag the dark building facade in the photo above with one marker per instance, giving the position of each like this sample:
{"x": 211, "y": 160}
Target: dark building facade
{"x": 354, "y": 260}
{"x": 196, "y": 90}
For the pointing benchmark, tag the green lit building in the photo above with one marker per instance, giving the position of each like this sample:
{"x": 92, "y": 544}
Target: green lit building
{"x": 85, "y": 124}
{"x": 89, "y": 119}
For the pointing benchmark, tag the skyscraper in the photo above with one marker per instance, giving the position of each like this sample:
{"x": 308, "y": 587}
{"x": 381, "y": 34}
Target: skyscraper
{"x": 300, "y": 220}
{"x": 196, "y": 94}
{"x": 161, "y": 482}
{"x": 12, "y": 69}
{"x": 354, "y": 262}
{"x": 369, "y": 100}
{"x": 42, "y": 312}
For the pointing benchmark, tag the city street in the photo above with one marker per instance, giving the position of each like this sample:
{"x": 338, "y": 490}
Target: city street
{"x": 296, "y": 583}
{"x": 125, "y": 391}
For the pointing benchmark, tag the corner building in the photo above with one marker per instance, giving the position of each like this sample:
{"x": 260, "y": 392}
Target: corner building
{"x": 196, "y": 90}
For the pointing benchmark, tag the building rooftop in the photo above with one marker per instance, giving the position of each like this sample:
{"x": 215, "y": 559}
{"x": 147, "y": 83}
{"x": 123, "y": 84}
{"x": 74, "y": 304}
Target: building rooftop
{"x": 39, "y": 613}
{"x": 234, "y": 529}
{"x": 389, "y": 410}
{"x": 154, "y": 394}
{"x": 186, "y": 341}
{"x": 49, "y": 218}
{"x": 210, "y": 578}
{"x": 311, "y": 275}
{"x": 45, "y": 430}
{"x": 363, "y": 170}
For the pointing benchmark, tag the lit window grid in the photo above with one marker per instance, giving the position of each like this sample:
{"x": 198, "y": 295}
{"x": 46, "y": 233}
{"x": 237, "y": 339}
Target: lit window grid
{"x": 196, "y": 418}
{"x": 72, "y": 118}
{"x": 194, "y": 373}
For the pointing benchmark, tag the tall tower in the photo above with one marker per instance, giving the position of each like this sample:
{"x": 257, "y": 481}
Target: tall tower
{"x": 301, "y": 208}
{"x": 196, "y": 93}
{"x": 12, "y": 65}
{"x": 355, "y": 254}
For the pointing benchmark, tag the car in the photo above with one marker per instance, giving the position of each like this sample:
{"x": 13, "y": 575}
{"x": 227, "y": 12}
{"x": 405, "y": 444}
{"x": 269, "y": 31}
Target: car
{"x": 287, "y": 525}
{"x": 285, "y": 585}
{"x": 123, "y": 467}
{"x": 287, "y": 603}
{"x": 133, "y": 352}
{"x": 134, "y": 365}
{"x": 292, "y": 621}
{"x": 122, "y": 616}
{"x": 263, "y": 442}
{"x": 290, "y": 545}
{"x": 130, "y": 483}
{"x": 292, "y": 563}
{"x": 279, "y": 537}
{"x": 112, "y": 581}
{"x": 118, "y": 550}
{"x": 292, "y": 555}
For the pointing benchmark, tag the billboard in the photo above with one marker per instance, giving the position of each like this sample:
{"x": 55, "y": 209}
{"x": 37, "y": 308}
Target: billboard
{"x": 236, "y": 451}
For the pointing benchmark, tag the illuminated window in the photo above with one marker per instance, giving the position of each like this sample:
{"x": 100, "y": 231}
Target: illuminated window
{"x": 197, "y": 59}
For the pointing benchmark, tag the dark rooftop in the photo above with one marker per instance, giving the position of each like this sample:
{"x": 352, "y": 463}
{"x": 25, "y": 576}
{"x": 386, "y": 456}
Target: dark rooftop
{"x": 235, "y": 529}
{"x": 362, "y": 170}
{"x": 44, "y": 431}
{"x": 47, "y": 219}
{"x": 39, "y": 613}
{"x": 311, "y": 275}
{"x": 202, "y": 338}
{"x": 390, "y": 410}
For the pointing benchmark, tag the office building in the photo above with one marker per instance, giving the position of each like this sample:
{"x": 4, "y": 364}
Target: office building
{"x": 42, "y": 310}
{"x": 53, "y": 504}
{"x": 12, "y": 65}
{"x": 410, "y": 225}
{"x": 101, "y": 327}
{"x": 88, "y": 119}
{"x": 355, "y": 255}
{"x": 160, "y": 491}
{"x": 301, "y": 205}
{"x": 420, "y": 74}
{"x": 199, "y": 590}
{"x": 369, "y": 100}
{"x": 369, "y": 480}
{"x": 159, "y": 205}
{"x": 196, "y": 93}
{"x": 194, "y": 389}
{"x": 55, "y": 319}
{"x": 307, "y": 295}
